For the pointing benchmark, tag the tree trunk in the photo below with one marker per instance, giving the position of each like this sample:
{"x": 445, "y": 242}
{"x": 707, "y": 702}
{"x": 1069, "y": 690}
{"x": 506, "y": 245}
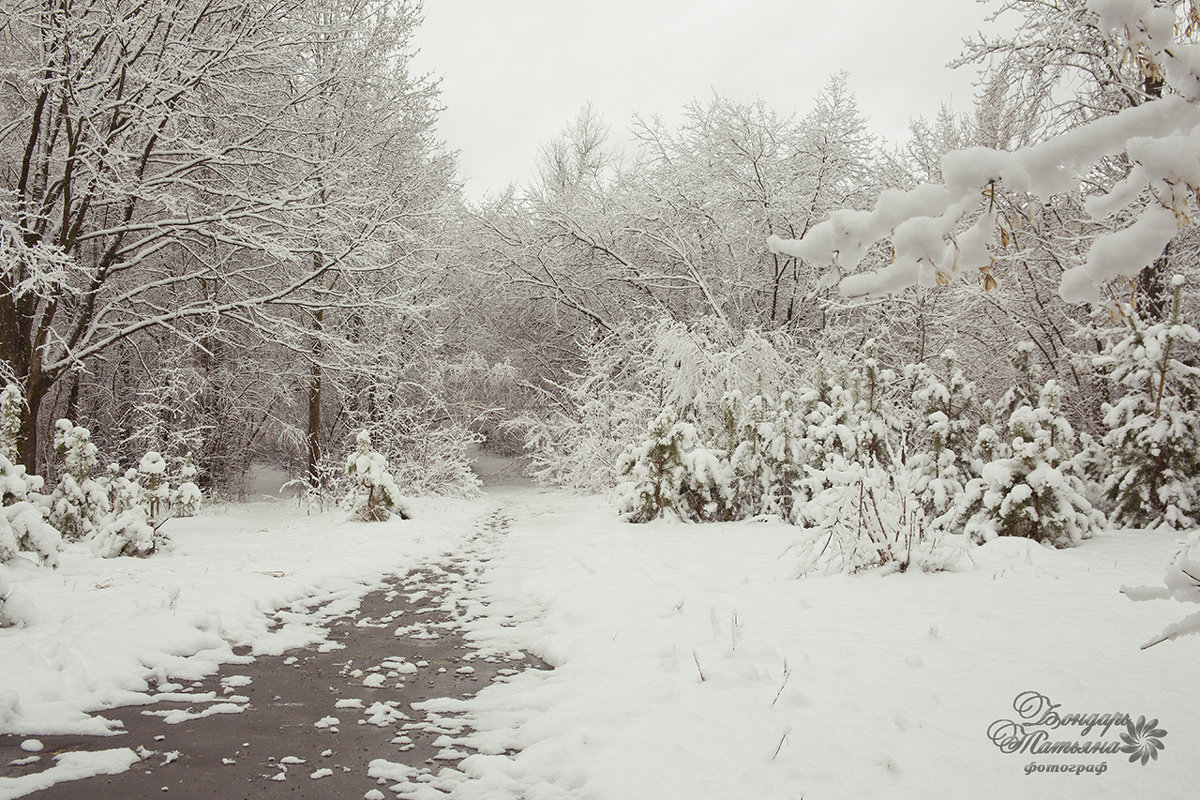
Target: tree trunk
{"x": 313, "y": 437}
{"x": 27, "y": 448}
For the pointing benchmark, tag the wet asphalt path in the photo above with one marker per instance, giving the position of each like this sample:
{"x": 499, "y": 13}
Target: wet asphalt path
{"x": 307, "y": 723}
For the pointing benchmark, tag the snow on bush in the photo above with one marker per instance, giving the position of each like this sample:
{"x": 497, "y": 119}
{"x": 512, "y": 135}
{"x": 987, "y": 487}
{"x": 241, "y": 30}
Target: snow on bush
{"x": 756, "y": 439}
{"x": 78, "y": 503}
{"x": 373, "y": 496}
{"x": 1029, "y": 486}
{"x": 186, "y": 498}
{"x": 122, "y": 488}
{"x": 866, "y": 518}
{"x": 23, "y": 526}
{"x": 131, "y": 528}
{"x": 130, "y": 533}
{"x": 671, "y": 474}
{"x": 1153, "y": 438}
{"x": 156, "y": 489}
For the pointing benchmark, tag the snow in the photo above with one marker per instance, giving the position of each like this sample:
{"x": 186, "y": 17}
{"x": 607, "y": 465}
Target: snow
{"x": 689, "y": 660}
{"x": 689, "y": 663}
{"x": 71, "y": 766}
{"x": 97, "y": 633}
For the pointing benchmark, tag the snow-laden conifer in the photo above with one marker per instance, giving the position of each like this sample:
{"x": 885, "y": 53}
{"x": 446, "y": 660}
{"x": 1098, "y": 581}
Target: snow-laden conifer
{"x": 11, "y": 406}
{"x": 1029, "y": 487}
{"x": 940, "y": 462}
{"x": 373, "y": 495}
{"x": 79, "y": 503}
{"x": 671, "y": 473}
{"x": 23, "y": 526}
{"x": 186, "y": 497}
{"x": 156, "y": 488}
{"x": 1153, "y": 438}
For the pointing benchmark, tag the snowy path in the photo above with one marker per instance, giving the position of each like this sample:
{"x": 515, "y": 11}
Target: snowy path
{"x": 318, "y": 722}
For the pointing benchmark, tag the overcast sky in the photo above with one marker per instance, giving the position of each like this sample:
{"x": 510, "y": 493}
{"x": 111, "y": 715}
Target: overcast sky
{"x": 515, "y": 72}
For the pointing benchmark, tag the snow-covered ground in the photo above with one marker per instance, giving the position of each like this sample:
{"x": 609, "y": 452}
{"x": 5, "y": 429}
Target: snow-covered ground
{"x": 690, "y": 663}
{"x": 98, "y": 632}
{"x": 689, "y": 660}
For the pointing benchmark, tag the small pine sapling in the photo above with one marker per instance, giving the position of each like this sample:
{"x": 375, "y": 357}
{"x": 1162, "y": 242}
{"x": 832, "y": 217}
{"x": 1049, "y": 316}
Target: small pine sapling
{"x": 1029, "y": 486}
{"x": 940, "y": 471}
{"x": 78, "y": 503}
{"x": 1153, "y": 438}
{"x": 23, "y": 526}
{"x": 373, "y": 495}
{"x": 784, "y": 460}
{"x": 11, "y": 408}
{"x": 130, "y": 533}
{"x": 877, "y": 422}
{"x": 130, "y": 529}
{"x": 750, "y": 430}
{"x": 156, "y": 489}
{"x": 121, "y": 488}
{"x": 670, "y": 473}
{"x": 186, "y": 498}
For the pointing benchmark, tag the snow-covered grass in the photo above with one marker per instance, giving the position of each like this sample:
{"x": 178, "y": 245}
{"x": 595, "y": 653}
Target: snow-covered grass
{"x": 96, "y": 632}
{"x": 690, "y": 662}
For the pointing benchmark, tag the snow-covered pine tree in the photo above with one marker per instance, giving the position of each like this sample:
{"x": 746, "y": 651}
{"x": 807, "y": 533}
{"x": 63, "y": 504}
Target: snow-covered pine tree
{"x": 1153, "y": 438}
{"x": 186, "y": 497}
{"x": 121, "y": 488}
{"x": 1024, "y": 391}
{"x": 23, "y": 526}
{"x": 1030, "y": 488}
{"x": 130, "y": 533}
{"x": 156, "y": 489}
{"x": 131, "y": 529}
{"x": 749, "y": 430}
{"x": 11, "y": 405}
{"x": 78, "y": 503}
{"x": 672, "y": 473}
{"x": 940, "y": 464}
{"x": 829, "y": 430}
{"x": 877, "y": 422}
{"x": 373, "y": 495}
{"x": 784, "y": 460}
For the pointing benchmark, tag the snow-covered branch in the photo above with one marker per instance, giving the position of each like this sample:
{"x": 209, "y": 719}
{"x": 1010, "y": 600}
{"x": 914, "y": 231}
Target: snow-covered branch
{"x": 947, "y": 229}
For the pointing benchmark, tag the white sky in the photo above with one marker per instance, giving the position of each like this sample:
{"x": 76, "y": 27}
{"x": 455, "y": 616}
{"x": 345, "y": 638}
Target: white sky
{"x": 515, "y": 72}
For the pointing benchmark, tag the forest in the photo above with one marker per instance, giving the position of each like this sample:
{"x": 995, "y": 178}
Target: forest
{"x": 231, "y": 237}
{"x": 737, "y": 453}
